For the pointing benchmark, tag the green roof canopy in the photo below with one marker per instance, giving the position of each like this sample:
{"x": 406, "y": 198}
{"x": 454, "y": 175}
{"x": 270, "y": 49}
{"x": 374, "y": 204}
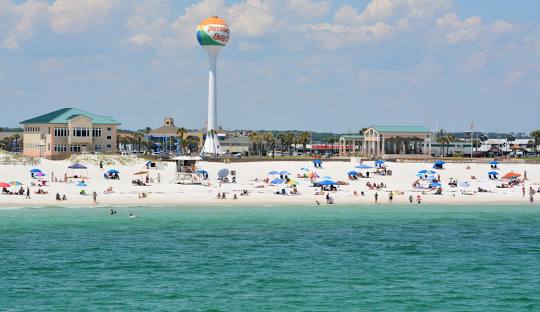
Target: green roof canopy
{"x": 64, "y": 115}
{"x": 406, "y": 129}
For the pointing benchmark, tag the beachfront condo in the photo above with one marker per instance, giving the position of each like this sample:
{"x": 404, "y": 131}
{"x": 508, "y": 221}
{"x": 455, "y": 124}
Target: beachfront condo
{"x": 67, "y": 131}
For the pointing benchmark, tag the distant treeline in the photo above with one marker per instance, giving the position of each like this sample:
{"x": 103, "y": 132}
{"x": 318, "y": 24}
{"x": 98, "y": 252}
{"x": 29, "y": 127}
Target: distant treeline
{"x": 7, "y": 129}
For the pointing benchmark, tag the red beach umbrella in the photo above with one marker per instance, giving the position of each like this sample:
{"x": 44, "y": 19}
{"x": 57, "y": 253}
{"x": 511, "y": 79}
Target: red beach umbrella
{"x": 4, "y": 184}
{"x": 511, "y": 175}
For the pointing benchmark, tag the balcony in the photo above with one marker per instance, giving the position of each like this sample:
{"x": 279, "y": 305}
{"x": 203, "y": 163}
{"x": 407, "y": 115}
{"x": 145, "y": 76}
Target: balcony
{"x": 79, "y": 140}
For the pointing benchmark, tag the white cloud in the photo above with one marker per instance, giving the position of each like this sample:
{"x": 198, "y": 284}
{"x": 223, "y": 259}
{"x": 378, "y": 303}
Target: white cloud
{"x": 22, "y": 20}
{"x": 76, "y": 15}
{"x": 141, "y": 39}
{"x": 459, "y": 30}
{"x": 247, "y": 46}
{"x": 251, "y": 18}
{"x": 308, "y": 8}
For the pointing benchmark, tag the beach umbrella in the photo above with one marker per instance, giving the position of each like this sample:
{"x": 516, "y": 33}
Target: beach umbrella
{"x": 327, "y": 177}
{"x": 493, "y": 173}
{"x": 223, "y": 173}
{"x": 82, "y": 184}
{"x": 493, "y": 162}
{"x": 511, "y": 175}
{"x": 439, "y": 162}
{"x": 285, "y": 173}
{"x": 39, "y": 174}
{"x": 429, "y": 172}
{"x": 352, "y": 173}
{"x": 277, "y": 181}
{"x": 304, "y": 169}
{"x": 4, "y": 184}
{"x": 113, "y": 171}
{"x": 327, "y": 182}
{"x": 273, "y": 172}
{"x": 201, "y": 171}
{"x": 364, "y": 166}
{"x": 141, "y": 173}
{"x": 35, "y": 170}
{"x": 435, "y": 184}
{"x": 77, "y": 166}
{"x": 379, "y": 162}
{"x": 423, "y": 171}
{"x": 15, "y": 183}
{"x": 317, "y": 161}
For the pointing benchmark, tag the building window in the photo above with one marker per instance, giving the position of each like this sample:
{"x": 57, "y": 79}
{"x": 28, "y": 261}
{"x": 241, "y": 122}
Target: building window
{"x": 60, "y": 148}
{"x": 97, "y": 147}
{"x": 48, "y": 146}
{"x": 109, "y": 137}
{"x": 109, "y": 129}
{"x": 96, "y": 132}
{"x": 61, "y": 132}
{"x": 81, "y": 132}
{"x": 108, "y": 146}
{"x": 75, "y": 148}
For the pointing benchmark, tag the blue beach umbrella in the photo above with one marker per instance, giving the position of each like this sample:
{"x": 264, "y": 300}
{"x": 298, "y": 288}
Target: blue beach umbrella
{"x": 327, "y": 182}
{"x": 35, "y": 170}
{"x": 113, "y": 171}
{"x": 435, "y": 184}
{"x": 326, "y": 177}
{"x": 439, "y": 162}
{"x": 304, "y": 169}
{"x": 429, "y": 172}
{"x": 423, "y": 171}
{"x": 277, "y": 181}
{"x": 200, "y": 171}
{"x": 352, "y": 173}
{"x": 273, "y": 172}
{"x": 493, "y": 162}
{"x": 364, "y": 166}
{"x": 77, "y": 166}
{"x": 317, "y": 161}
{"x": 82, "y": 184}
{"x": 493, "y": 173}
{"x": 285, "y": 173}
{"x": 379, "y": 162}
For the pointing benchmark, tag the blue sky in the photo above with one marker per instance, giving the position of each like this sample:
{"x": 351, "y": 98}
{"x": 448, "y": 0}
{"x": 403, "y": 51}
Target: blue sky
{"x": 327, "y": 65}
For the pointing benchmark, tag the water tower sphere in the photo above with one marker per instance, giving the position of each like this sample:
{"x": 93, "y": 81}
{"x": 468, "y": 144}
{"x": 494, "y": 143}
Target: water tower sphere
{"x": 213, "y": 31}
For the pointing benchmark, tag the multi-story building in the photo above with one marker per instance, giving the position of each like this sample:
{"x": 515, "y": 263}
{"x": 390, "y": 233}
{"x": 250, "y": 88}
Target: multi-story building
{"x": 66, "y": 131}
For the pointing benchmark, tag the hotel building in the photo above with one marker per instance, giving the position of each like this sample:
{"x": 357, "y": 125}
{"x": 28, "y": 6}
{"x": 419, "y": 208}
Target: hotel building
{"x": 67, "y": 131}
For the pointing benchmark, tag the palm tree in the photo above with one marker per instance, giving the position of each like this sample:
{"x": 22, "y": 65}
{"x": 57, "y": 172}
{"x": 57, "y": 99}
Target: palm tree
{"x": 288, "y": 140}
{"x": 192, "y": 143}
{"x": 256, "y": 140}
{"x": 180, "y": 133}
{"x": 270, "y": 142}
{"x": 17, "y": 138}
{"x": 304, "y": 138}
{"x": 536, "y": 136}
{"x": 139, "y": 138}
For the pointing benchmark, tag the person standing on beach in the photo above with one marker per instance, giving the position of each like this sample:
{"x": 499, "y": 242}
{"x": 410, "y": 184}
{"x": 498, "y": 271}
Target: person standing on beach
{"x": 158, "y": 178}
{"x": 531, "y": 199}
{"x": 410, "y": 199}
{"x": 376, "y": 197}
{"x": 101, "y": 165}
{"x": 419, "y": 199}
{"x": 523, "y": 190}
{"x": 27, "y": 192}
{"x": 391, "y": 197}
{"x": 94, "y": 195}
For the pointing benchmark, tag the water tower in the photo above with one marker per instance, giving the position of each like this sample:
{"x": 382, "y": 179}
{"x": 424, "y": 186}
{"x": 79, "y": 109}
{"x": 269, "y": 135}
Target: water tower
{"x": 212, "y": 34}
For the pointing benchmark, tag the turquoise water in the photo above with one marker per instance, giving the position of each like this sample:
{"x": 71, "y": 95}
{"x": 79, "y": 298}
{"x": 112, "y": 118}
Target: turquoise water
{"x": 271, "y": 259}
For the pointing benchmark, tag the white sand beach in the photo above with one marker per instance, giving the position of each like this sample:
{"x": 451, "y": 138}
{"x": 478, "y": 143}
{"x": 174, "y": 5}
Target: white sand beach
{"x": 250, "y": 177}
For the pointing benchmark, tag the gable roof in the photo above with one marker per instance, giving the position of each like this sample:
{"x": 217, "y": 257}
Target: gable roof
{"x": 64, "y": 115}
{"x": 405, "y": 129}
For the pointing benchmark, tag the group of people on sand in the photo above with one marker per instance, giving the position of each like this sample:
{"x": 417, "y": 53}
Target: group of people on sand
{"x": 60, "y": 198}
{"x": 5, "y": 191}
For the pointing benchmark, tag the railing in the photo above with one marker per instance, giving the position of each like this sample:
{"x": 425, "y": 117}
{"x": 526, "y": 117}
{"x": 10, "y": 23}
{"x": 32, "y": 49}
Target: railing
{"x": 20, "y": 162}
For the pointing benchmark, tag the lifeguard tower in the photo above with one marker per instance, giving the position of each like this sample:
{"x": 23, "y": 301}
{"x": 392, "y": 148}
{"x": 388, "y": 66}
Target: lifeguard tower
{"x": 185, "y": 170}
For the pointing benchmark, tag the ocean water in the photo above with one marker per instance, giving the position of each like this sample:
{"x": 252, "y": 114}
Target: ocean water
{"x": 415, "y": 258}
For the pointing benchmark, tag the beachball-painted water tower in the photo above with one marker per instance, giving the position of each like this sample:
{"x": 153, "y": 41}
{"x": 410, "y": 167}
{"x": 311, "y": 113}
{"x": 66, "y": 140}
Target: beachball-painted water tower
{"x": 212, "y": 34}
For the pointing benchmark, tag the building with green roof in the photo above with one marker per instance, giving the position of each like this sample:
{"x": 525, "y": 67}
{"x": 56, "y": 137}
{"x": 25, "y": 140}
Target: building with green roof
{"x": 58, "y": 134}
